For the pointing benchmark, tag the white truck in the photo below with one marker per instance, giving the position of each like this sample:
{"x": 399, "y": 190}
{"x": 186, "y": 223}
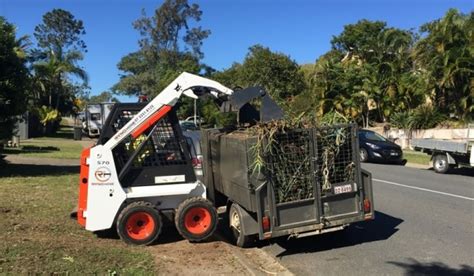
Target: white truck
{"x": 447, "y": 154}
{"x": 95, "y": 116}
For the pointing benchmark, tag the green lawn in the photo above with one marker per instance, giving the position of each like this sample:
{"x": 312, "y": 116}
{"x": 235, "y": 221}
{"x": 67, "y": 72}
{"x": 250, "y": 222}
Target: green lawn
{"x": 60, "y": 145}
{"x": 416, "y": 157}
{"x": 39, "y": 237}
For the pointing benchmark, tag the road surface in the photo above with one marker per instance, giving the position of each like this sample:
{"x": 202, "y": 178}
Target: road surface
{"x": 424, "y": 225}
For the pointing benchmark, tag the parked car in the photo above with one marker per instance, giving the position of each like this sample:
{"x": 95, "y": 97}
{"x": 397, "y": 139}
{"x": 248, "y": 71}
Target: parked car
{"x": 193, "y": 139}
{"x": 374, "y": 147}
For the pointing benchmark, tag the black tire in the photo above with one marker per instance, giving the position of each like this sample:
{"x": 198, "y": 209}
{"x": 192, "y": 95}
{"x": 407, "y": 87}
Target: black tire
{"x": 235, "y": 221}
{"x": 139, "y": 223}
{"x": 196, "y": 219}
{"x": 440, "y": 163}
{"x": 364, "y": 155}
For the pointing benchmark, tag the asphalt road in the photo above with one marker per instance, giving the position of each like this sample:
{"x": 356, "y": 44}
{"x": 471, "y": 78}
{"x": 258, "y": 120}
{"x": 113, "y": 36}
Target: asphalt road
{"x": 424, "y": 225}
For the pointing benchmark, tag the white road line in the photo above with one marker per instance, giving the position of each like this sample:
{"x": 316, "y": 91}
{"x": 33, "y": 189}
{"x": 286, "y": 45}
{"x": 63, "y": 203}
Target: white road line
{"x": 422, "y": 189}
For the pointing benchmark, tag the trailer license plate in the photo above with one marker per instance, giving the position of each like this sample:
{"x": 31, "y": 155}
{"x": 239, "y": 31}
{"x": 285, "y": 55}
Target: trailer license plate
{"x": 343, "y": 189}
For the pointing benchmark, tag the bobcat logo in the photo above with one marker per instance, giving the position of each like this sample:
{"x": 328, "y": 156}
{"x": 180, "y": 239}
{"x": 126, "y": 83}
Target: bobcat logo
{"x": 177, "y": 88}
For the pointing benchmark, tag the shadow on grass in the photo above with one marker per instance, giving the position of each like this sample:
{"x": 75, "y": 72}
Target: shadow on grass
{"x": 30, "y": 149}
{"x": 413, "y": 267}
{"x": 23, "y": 170}
{"x": 66, "y": 132}
{"x": 382, "y": 228}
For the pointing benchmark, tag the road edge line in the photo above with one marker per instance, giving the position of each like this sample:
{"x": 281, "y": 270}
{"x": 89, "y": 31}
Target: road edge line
{"x": 422, "y": 189}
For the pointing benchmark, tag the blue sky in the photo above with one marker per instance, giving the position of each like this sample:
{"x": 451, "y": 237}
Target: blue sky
{"x": 301, "y": 29}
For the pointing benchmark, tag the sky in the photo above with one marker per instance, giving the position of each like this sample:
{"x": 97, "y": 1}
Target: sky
{"x": 301, "y": 29}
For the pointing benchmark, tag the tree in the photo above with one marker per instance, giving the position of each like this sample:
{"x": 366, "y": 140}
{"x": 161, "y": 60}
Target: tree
{"x": 168, "y": 46}
{"x": 60, "y": 30}
{"x": 51, "y": 75}
{"x": 14, "y": 78}
{"x": 103, "y": 97}
{"x": 359, "y": 39}
{"x": 445, "y": 55}
{"x": 368, "y": 68}
{"x": 60, "y": 49}
{"x": 276, "y": 72}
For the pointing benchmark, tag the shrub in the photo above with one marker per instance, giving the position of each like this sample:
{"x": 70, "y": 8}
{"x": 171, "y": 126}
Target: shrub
{"x": 425, "y": 116}
{"x": 401, "y": 120}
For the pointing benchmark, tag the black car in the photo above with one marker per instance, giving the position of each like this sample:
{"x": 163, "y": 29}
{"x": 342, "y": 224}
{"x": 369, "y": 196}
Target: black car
{"x": 375, "y": 147}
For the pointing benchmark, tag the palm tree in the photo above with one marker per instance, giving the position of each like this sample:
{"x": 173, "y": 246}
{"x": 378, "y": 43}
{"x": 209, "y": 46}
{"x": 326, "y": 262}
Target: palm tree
{"x": 53, "y": 70}
{"x": 446, "y": 55}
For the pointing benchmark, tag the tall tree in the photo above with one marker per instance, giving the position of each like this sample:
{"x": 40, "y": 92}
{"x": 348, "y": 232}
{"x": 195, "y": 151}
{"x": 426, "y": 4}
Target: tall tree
{"x": 168, "y": 46}
{"x": 446, "y": 55}
{"x": 60, "y": 29}
{"x": 61, "y": 47}
{"x": 363, "y": 71}
{"x": 14, "y": 78}
{"x": 276, "y": 72}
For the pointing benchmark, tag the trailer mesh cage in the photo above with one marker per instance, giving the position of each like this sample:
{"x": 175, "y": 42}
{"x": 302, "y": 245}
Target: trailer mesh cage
{"x": 336, "y": 153}
{"x": 296, "y": 160}
{"x": 289, "y": 165}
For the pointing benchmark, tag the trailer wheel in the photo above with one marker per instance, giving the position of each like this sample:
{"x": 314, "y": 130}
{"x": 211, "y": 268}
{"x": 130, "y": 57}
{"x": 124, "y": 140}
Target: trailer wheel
{"x": 440, "y": 163}
{"x": 235, "y": 226}
{"x": 196, "y": 219}
{"x": 139, "y": 223}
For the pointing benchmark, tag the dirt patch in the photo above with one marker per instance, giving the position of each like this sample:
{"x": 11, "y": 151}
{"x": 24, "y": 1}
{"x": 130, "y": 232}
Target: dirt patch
{"x": 181, "y": 257}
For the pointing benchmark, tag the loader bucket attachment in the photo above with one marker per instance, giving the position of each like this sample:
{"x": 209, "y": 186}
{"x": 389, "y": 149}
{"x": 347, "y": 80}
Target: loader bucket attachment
{"x": 269, "y": 110}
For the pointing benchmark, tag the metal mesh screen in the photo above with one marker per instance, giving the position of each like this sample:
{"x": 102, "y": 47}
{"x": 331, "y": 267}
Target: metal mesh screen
{"x": 299, "y": 159}
{"x": 163, "y": 149}
{"x": 335, "y": 156}
{"x": 289, "y": 165}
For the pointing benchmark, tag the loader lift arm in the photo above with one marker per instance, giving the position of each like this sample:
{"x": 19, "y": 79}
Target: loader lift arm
{"x": 188, "y": 84}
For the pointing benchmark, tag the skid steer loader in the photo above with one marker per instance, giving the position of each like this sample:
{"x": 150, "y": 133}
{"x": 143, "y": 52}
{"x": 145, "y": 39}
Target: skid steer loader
{"x": 141, "y": 170}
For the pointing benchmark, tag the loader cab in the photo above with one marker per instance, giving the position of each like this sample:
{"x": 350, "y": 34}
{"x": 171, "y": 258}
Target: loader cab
{"x": 162, "y": 158}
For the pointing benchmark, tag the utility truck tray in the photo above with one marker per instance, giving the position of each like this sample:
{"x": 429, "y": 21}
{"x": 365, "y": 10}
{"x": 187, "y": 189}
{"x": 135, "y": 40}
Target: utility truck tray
{"x": 441, "y": 145}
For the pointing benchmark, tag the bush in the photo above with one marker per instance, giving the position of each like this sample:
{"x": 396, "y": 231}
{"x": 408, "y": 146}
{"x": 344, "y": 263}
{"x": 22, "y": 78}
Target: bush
{"x": 401, "y": 120}
{"x": 423, "y": 117}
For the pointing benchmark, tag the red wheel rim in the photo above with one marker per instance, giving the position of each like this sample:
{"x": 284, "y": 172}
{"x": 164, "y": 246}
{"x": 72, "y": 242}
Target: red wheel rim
{"x": 140, "y": 225}
{"x": 197, "y": 220}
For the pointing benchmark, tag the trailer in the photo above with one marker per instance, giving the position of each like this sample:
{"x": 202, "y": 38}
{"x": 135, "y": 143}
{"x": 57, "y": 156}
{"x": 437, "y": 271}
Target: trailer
{"x": 296, "y": 196}
{"x": 447, "y": 154}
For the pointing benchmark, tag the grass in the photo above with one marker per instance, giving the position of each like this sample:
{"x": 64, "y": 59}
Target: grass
{"x": 416, "y": 157}
{"x": 61, "y": 145}
{"x": 39, "y": 237}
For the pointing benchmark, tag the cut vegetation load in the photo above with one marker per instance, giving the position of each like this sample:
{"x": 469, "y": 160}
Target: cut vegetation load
{"x": 276, "y": 177}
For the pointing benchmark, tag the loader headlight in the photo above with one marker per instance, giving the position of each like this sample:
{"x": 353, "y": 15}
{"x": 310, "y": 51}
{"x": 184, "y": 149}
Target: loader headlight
{"x": 372, "y": 146}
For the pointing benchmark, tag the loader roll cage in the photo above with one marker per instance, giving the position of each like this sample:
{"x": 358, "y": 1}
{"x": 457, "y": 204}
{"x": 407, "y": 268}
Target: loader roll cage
{"x": 161, "y": 150}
